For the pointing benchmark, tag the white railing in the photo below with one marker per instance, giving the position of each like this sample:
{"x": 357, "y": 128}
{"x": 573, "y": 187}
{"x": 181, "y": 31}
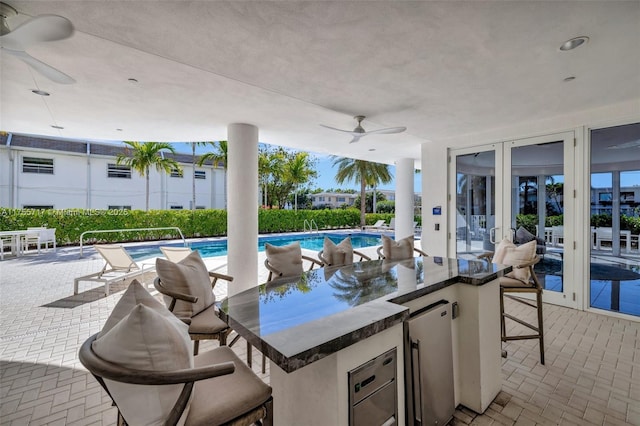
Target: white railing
{"x": 310, "y": 225}
{"x": 102, "y": 231}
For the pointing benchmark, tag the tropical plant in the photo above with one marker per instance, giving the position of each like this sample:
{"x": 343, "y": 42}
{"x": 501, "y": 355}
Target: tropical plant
{"x": 282, "y": 172}
{"x": 364, "y": 172}
{"x": 369, "y": 200}
{"x": 217, "y": 156}
{"x": 299, "y": 170}
{"x": 555, "y": 191}
{"x": 141, "y": 156}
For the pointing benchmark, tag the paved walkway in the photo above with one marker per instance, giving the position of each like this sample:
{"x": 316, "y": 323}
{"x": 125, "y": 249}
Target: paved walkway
{"x": 592, "y": 374}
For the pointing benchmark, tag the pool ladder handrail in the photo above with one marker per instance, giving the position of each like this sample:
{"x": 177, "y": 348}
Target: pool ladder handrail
{"x": 97, "y": 231}
{"x": 310, "y": 223}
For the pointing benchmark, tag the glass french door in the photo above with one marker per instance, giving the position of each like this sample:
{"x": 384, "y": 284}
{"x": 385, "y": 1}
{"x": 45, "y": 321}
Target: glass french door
{"x": 519, "y": 190}
{"x": 614, "y": 219}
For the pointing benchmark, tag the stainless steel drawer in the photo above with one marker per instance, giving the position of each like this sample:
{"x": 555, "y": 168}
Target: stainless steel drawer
{"x": 378, "y": 408}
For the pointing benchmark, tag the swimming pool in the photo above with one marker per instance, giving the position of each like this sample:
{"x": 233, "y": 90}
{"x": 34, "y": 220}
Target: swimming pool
{"x": 219, "y": 247}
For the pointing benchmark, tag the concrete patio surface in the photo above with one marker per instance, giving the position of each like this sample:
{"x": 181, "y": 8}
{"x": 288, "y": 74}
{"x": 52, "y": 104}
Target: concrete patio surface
{"x": 591, "y": 376}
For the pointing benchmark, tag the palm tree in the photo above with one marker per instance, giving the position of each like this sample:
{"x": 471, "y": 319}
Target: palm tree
{"x": 219, "y": 155}
{"x": 141, "y": 156}
{"x": 298, "y": 171}
{"x": 365, "y": 172}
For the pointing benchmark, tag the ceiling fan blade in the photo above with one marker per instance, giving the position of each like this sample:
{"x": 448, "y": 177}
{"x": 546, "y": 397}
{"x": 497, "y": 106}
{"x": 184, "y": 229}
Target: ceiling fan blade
{"x": 387, "y": 130}
{"x": 44, "y": 69}
{"x": 339, "y": 130}
{"x": 36, "y": 30}
{"x": 356, "y": 137}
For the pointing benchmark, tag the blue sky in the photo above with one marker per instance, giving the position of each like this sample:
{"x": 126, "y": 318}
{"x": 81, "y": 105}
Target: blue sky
{"x": 325, "y": 169}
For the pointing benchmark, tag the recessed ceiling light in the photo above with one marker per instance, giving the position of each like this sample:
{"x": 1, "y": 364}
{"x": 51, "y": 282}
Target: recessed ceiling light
{"x": 57, "y": 127}
{"x": 40, "y": 92}
{"x": 569, "y": 79}
{"x": 133, "y": 80}
{"x": 573, "y": 43}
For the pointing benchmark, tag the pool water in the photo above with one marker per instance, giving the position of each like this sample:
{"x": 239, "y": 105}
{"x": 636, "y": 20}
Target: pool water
{"x": 219, "y": 248}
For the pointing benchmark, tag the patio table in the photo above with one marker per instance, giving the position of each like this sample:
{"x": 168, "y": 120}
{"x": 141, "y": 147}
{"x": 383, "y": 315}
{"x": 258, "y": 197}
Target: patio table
{"x": 15, "y": 237}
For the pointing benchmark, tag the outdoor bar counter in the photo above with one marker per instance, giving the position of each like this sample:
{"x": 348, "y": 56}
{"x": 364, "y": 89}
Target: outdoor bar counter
{"x": 316, "y": 328}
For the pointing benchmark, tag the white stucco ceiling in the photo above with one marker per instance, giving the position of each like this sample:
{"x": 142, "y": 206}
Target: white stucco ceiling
{"x": 442, "y": 69}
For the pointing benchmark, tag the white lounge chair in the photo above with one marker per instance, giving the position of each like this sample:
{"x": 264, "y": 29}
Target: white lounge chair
{"x": 175, "y": 254}
{"x": 391, "y": 226}
{"x": 378, "y": 225}
{"x": 118, "y": 267}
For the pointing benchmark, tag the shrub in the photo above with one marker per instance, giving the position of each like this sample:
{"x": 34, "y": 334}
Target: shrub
{"x": 71, "y": 223}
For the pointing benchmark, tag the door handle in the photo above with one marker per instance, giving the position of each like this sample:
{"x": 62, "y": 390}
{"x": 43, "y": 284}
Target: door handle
{"x": 492, "y": 234}
{"x": 415, "y": 368}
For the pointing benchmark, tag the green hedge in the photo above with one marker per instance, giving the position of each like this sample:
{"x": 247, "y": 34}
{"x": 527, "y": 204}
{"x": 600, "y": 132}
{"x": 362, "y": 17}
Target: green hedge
{"x": 71, "y": 223}
{"x": 529, "y": 222}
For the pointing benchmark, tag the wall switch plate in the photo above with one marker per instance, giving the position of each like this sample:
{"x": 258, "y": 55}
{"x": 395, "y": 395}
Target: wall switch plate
{"x": 437, "y": 226}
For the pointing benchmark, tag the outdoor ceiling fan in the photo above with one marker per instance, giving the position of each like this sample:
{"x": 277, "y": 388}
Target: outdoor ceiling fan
{"x": 359, "y": 132}
{"x": 36, "y": 30}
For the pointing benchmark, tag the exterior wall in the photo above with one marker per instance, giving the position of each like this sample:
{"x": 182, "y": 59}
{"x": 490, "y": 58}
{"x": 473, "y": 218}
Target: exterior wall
{"x": 62, "y": 189}
{"x": 6, "y": 170}
{"x": 106, "y": 191}
{"x": 81, "y": 181}
{"x": 333, "y": 199}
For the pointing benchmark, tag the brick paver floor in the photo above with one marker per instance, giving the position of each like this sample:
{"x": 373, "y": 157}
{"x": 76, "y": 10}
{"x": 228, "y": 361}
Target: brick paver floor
{"x": 591, "y": 376}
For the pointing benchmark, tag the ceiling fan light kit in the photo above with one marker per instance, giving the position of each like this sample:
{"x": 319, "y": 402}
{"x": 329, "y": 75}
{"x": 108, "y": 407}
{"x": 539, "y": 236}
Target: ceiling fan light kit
{"x": 36, "y": 30}
{"x": 359, "y": 131}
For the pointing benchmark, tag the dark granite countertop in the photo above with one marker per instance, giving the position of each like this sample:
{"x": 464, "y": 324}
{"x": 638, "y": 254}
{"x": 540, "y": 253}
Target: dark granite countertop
{"x": 298, "y": 321}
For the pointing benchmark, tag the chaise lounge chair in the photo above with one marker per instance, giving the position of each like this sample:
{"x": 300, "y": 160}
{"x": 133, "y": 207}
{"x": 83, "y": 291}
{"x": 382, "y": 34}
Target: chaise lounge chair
{"x": 118, "y": 267}
{"x": 378, "y": 225}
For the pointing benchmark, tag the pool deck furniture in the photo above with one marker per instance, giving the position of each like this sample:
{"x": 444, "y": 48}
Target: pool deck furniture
{"x": 601, "y": 234}
{"x": 316, "y": 328}
{"x": 14, "y": 240}
{"x": 118, "y": 266}
{"x": 378, "y": 225}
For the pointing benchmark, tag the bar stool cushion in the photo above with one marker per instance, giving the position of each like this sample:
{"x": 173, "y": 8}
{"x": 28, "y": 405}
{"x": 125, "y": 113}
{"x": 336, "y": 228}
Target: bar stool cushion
{"x": 285, "y": 259}
{"x": 338, "y": 254}
{"x": 228, "y": 396}
{"x": 146, "y": 340}
{"x": 207, "y": 322}
{"x": 188, "y": 276}
{"x": 508, "y": 282}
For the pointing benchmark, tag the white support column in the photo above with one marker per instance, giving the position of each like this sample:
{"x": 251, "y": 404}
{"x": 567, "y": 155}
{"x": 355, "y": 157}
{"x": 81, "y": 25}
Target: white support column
{"x": 242, "y": 206}
{"x": 404, "y": 197}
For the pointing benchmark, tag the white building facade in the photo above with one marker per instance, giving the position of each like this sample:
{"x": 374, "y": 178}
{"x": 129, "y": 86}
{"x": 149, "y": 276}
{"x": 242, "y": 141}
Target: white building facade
{"x": 61, "y": 174}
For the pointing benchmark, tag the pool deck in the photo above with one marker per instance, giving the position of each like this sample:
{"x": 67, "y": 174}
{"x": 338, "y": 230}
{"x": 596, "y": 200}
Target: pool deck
{"x": 592, "y": 375}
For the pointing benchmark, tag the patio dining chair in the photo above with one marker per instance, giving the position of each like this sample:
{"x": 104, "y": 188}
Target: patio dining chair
{"x": 143, "y": 359}
{"x": 118, "y": 266}
{"x": 286, "y": 261}
{"x": 340, "y": 254}
{"x": 40, "y": 237}
{"x": 521, "y": 280}
{"x": 187, "y": 287}
{"x": 398, "y": 250}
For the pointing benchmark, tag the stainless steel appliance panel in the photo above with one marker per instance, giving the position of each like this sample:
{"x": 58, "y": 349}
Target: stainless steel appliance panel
{"x": 373, "y": 392}
{"x": 431, "y": 368}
